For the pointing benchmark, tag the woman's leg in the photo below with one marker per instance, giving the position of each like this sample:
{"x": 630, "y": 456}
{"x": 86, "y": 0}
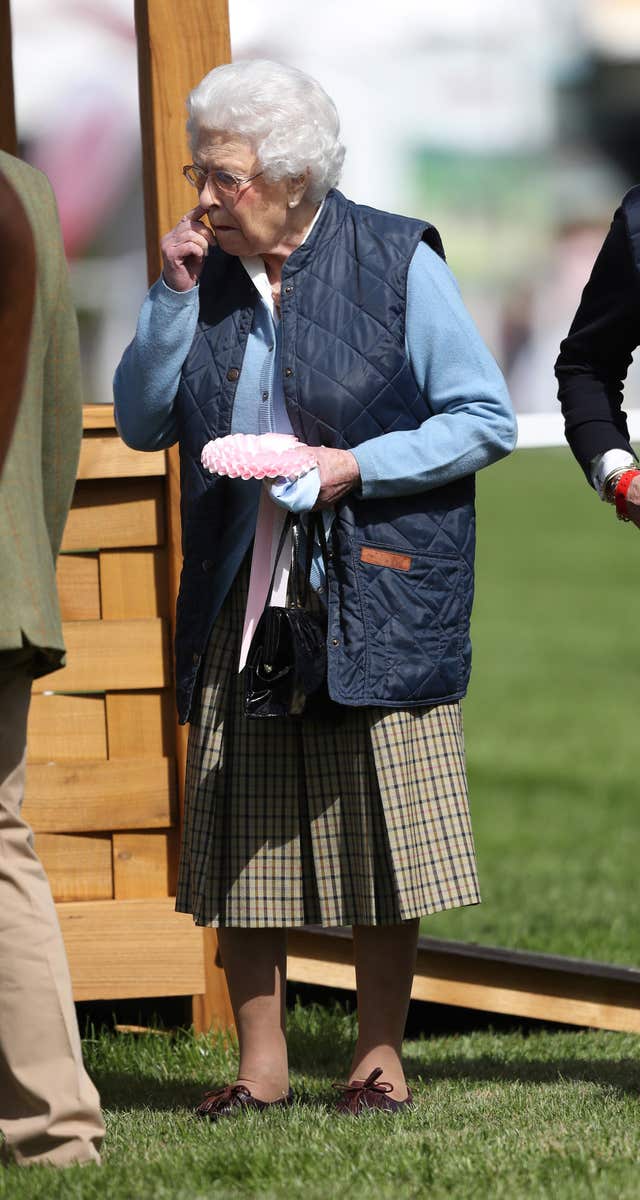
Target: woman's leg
{"x": 385, "y": 959}
{"x": 255, "y": 964}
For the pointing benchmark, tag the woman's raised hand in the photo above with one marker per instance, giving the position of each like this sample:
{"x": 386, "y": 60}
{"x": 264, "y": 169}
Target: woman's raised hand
{"x": 184, "y": 251}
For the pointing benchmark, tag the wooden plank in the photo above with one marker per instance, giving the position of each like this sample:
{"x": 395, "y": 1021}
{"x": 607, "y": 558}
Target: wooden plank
{"x": 106, "y": 515}
{"x": 98, "y": 416}
{"x": 87, "y": 797}
{"x": 78, "y": 579}
{"x": 140, "y": 724}
{"x": 78, "y": 867}
{"x": 112, "y": 656}
{"x": 212, "y": 1009}
{"x": 134, "y": 584}
{"x": 545, "y": 987}
{"x": 63, "y": 728}
{"x": 110, "y": 458}
{"x": 126, "y": 948}
{"x": 144, "y": 865}
{"x": 8, "y": 138}
{"x": 171, "y": 60}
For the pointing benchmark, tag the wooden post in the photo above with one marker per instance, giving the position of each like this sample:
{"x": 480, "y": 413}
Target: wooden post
{"x": 175, "y": 50}
{"x": 8, "y": 138}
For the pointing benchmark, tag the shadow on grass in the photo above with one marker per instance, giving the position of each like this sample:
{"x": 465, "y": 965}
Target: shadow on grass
{"x": 622, "y": 1075}
{"x": 121, "y": 1090}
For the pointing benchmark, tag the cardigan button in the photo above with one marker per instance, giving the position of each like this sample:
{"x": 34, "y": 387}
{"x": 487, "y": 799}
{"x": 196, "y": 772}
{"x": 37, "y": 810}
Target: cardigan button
{"x": 288, "y": 372}
{"x": 233, "y": 374}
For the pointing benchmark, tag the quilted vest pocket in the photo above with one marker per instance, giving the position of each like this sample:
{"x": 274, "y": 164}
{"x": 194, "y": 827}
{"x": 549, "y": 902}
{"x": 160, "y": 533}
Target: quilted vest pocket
{"x": 416, "y": 617}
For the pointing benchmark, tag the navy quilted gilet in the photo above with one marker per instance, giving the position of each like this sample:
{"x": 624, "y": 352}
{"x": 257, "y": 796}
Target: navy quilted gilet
{"x": 400, "y": 583}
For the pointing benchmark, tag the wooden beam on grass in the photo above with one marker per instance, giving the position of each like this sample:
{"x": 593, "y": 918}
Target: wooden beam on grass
{"x": 173, "y": 56}
{"x": 546, "y": 987}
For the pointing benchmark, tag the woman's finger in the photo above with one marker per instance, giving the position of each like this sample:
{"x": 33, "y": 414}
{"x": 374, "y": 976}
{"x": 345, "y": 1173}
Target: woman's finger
{"x": 191, "y": 246}
{"x": 192, "y": 234}
{"x": 193, "y": 220}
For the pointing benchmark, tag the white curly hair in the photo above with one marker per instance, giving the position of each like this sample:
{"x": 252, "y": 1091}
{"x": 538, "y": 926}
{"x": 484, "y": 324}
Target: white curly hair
{"x": 286, "y": 116}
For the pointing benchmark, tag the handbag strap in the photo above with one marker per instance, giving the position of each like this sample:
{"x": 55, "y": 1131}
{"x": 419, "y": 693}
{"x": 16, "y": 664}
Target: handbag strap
{"x": 314, "y": 529}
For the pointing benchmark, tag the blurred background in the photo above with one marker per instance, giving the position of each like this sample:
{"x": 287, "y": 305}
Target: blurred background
{"x": 512, "y": 127}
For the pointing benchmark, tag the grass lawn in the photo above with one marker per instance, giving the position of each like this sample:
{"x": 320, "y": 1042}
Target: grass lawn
{"x": 550, "y": 721}
{"x": 550, "y": 1115}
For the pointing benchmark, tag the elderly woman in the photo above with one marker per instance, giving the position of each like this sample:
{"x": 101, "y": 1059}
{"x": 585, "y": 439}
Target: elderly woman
{"x": 295, "y": 309}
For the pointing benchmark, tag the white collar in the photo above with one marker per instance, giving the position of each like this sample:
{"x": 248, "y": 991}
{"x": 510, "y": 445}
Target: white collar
{"x": 255, "y": 268}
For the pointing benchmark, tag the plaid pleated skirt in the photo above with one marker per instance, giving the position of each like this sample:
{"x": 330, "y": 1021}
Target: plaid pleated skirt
{"x": 362, "y": 820}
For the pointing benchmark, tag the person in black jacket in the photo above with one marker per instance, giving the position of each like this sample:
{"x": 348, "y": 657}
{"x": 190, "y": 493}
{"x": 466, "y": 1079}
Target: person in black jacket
{"x": 593, "y": 363}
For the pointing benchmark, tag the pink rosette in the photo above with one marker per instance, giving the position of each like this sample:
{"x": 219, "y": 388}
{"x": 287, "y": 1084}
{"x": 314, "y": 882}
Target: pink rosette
{"x": 258, "y": 456}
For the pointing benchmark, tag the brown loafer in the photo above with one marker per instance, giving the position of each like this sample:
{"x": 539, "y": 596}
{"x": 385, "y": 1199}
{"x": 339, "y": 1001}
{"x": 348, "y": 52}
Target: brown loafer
{"x": 362, "y": 1095}
{"x": 236, "y": 1098}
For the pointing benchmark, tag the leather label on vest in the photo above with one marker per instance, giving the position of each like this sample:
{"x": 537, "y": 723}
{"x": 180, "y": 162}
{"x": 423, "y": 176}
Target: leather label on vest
{"x": 385, "y": 558}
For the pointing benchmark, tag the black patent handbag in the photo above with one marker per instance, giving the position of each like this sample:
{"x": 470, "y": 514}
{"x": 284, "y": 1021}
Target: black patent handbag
{"x": 286, "y": 669}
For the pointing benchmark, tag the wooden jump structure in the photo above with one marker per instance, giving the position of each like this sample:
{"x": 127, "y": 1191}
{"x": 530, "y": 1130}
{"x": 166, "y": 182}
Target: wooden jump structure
{"x": 106, "y": 757}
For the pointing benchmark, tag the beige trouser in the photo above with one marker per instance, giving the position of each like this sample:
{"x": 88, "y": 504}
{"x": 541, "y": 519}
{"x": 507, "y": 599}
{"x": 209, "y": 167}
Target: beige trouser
{"x": 49, "y": 1108}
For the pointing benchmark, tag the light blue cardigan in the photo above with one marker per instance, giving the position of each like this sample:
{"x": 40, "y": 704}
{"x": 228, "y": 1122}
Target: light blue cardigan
{"x": 471, "y": 425}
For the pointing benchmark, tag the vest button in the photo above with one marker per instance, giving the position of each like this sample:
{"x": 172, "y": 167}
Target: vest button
{"x": 288, "y": 290}
{"x": 335, "y": 642}
{"x": 207, "y": 564}
{"x": 288, "y": 372}
{"x": 233, "y": 374}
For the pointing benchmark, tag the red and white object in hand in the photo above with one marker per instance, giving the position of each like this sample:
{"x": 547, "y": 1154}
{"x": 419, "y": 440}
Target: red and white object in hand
{"x": 621, "y": 494}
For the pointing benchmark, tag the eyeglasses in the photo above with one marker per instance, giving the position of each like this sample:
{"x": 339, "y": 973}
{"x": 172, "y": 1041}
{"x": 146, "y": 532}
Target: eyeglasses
{"x": 224, "y": 181}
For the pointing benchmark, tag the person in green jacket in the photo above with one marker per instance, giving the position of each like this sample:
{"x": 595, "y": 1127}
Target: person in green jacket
{"x": 49, "y": 1108}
